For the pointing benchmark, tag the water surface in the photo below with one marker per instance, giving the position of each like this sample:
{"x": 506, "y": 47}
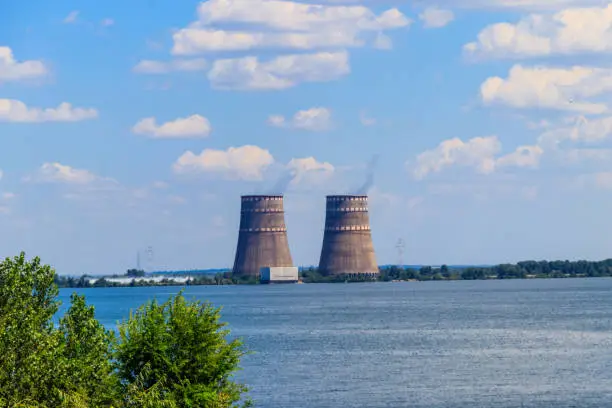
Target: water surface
{"x": 530, "y": 343}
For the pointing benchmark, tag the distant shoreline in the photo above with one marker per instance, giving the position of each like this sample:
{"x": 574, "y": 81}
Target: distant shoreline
{"x": 521, "y": 270}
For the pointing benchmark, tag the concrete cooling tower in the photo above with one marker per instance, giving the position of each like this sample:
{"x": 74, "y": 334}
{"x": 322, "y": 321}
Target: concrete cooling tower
{"x": 262, "y": 239}
{"x": 347, "y": 241}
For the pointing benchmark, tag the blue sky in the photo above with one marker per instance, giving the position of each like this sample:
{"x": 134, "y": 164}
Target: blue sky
{"x": 129, "y": 126}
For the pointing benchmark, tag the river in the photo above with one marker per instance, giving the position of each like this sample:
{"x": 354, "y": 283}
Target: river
{"x": 513, "y": 343}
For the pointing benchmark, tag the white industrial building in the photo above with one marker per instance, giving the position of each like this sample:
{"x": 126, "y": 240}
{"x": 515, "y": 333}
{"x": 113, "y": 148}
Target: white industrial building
{"x": 279, "y": 274}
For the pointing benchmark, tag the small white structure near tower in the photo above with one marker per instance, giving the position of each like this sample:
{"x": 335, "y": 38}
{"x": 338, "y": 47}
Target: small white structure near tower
{"x": 279, "y": 274}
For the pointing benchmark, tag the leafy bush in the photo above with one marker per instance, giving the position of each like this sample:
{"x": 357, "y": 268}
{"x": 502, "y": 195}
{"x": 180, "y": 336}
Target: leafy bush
{"x": 171, "y": 355}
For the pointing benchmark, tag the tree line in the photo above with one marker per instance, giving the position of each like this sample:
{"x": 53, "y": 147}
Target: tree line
{"x": 88, "y": 281}
{"x": 520, "y": 270}
{"x": 174, "y": 354}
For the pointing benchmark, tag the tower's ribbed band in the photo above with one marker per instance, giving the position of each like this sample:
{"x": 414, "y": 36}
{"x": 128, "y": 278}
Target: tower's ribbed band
{"x": 262, "y": 198}
{"x": 349, "y": 228}
{"x": 348, "y": 209}
{"x": 262, "y": 210}
{"x": 270, "y": 229}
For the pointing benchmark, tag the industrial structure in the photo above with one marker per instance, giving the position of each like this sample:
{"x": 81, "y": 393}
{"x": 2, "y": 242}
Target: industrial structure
{"x": 279, "y": 274}
{"x": 262, "y": 238}
{"x": 347, "y": 240}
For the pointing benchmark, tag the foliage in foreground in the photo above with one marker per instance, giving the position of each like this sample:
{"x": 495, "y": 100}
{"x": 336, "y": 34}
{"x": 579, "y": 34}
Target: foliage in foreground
{"x": 173, "y": 354}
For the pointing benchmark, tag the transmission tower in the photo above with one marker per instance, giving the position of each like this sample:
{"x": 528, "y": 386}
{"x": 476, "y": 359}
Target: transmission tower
{"x": 400, "y": 252}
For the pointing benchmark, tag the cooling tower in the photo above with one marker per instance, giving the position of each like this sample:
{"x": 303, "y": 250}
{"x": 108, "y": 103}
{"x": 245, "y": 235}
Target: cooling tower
{"x": 262, "y": 239}
{"x": 347, "y": 241}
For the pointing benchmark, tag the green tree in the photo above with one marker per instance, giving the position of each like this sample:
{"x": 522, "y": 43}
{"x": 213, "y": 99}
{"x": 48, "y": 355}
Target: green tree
{"x": 87, "y": 354}
{"x": 172, "y": 355}
{"x": 29, "y": 345}
{"x": 186, "y": 352}
{"x": 135, "y": 273}
{"x": 445, "y": 271}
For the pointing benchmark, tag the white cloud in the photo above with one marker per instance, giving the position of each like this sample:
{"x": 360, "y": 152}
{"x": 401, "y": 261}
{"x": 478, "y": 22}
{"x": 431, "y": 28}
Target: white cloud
{"x": 523, "y": 156}
{"x": 283, "y": 72}
{"x": 289, "y": 15}
{"x": 308, "y": 170}
{"x": 569, "y": 31}
{"x": 313, "y": 119}
{"x": 191, "y": 41}
{"x": 60, "y": 173}
{"x": 12, "y": 110}
{"x": 246, "y": 162}
{"x": 8, "y": 196}
{"x": 579, "y": 129}
{"x": 12, "y": 70}
{"x": 282, "y": 24}
{"x": 164, "y": 67}
{"x": 550, "y": 88}
{"x": 494, "y": 5}
{"x": 479, "y": 153}
{"x": 434, "y": 17}
{"x": 519, "y": 4}
{"x": 71, "y": 17}
{"x": 189, "y": 127}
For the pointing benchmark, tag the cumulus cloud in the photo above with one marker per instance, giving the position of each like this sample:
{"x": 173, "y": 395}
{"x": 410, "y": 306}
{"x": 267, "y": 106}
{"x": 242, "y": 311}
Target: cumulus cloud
{"x": 286, "y": 71}
{"x": 282, "y": 24}
{"x": 578, "y": 130}
{"x": 13, "y": 70}
{"x": 191, "y": 41}
{"x": 434, "y": 17}
{"x": 12, "y": 110}
{"x": 308, "y": 170}
{"x": 246, "y": 162}
{"x": 189, "y": 127}
{"x": 569, "y": 31}
{"x": 164, "y": 67}
{"x": 60, "y": 173}
{"x": 550, "y": 88}
{"x": 480, "y": 153}
{"x": 523, "y": 156}
{"x": 313, "y": 119}
{"x": 541, "y": 5}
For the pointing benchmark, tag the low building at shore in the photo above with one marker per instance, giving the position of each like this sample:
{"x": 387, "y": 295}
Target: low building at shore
{"x": 281, "y": 274}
